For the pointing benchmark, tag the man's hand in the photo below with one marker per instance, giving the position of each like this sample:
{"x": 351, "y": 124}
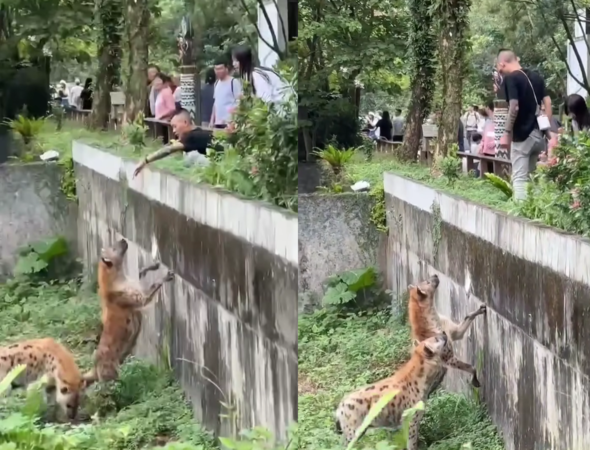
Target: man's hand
{"x": 505, "y": 140}
{"x": 139, "y": 168}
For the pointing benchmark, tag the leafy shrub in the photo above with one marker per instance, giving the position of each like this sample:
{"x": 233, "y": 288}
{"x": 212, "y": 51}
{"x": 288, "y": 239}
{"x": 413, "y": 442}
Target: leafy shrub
{"x": 260, "y": 157}
{"x": 36, "y": 257}
{"x": 450, "y": 165}
{"x": 57, "y": 113}
{"x": 559, "y": 194}
{"x": 27, "y": 128}
{"x": 335, "y": 157}
{"x": 135, "y": 132}
{"x": 344, "y": 287}
{"x": 68, "y": 178}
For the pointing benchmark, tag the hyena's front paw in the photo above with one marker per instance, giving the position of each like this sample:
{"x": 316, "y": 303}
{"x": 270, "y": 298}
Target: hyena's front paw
{"x": 169, "y": 276}
{"x": 474, "y": 381}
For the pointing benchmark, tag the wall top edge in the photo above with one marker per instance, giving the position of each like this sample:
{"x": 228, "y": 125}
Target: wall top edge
{"x": 79, "y": 148}
{"x": 563, "y": 252}
{"x": 258, "y": 223}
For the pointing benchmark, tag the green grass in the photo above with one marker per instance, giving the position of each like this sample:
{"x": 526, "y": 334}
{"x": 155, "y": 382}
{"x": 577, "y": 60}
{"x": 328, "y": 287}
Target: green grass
{"x": 468, "y": 187}
{"x": 340, "y": 353}
{"x": 112, "y": 142}
{"x": 143, "y": 408}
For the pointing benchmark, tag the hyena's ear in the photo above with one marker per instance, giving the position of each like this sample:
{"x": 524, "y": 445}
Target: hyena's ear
{"x": 418, "y": 288}
{"x": 428, "y": 352}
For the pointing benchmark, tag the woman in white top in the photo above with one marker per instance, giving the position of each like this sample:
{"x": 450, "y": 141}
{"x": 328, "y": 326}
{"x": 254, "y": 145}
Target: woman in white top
{"x": 266, "y": 84}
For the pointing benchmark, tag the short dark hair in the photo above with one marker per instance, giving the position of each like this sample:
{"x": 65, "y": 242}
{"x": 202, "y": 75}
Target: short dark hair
{"x": 221, "y": 61}
{"x": 184, "y": 114}
{"x": 210, "y": 76}
{"x": 476, "y": 137}
{"x": 490, "y": 105}
{"x": 504, "y": 49}
{"x": 154, "y": 66}
{"x": 165, "y": 78}
{"x": 398, "y": 111}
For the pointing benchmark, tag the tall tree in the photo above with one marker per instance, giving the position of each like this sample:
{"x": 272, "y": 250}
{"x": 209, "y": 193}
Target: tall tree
{"x": 109, "y": 15}
{"x": 137, "y": 21}
{"x": 453, "y": 44}
{"x": 422, "y": 51}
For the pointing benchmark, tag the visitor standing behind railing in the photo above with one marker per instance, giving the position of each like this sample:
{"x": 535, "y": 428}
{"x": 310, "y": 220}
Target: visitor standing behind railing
{"x": 207, "y": 92}
{"x": 152, "y": 73}
{"x": 226, "y": 94}
{"x": 577, "y": 110}
{"x": 86, "y": 95}
{"x": 164, "y": 104}
{"x": 488, "y": 142}
{"x": 385, "y": 127}
{"x": 525, "y": 125}
{"x": 265, "y": 83}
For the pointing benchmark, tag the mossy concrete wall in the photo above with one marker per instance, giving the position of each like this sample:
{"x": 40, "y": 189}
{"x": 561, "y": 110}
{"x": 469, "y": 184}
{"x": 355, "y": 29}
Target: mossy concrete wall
{"x": 228, "y": 322}
{"x": 32, "y": 208}
{"x": 533, "y": 346}
{"x": 335, "y": 235}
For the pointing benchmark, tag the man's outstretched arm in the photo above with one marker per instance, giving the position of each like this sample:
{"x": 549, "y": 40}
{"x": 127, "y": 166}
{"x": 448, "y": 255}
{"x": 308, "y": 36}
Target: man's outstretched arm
{"x": 162, "y": 153}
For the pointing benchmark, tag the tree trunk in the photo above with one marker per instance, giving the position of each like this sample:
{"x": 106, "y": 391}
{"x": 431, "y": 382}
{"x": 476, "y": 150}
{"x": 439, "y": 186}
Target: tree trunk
{"x": 422, "y": 49}
{"x": 136, "y": 31}
{"x": 453, "y": 46}
{"x": 109, "y": 17}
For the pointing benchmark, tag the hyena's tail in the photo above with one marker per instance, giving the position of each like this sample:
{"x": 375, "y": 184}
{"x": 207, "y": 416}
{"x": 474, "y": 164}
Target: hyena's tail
{"x": 337, "y": 425}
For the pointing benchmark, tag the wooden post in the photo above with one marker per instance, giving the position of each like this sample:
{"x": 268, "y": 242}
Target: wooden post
{"x": 500, "y": 116}
{"x": 188, "y": 70}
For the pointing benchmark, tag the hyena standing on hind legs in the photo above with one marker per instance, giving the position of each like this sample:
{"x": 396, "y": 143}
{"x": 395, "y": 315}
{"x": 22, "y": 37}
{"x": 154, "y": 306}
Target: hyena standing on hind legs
{"x": 122, "y": 300}
{"x": 426, "y": 322}
{"x": 411, "y": 381}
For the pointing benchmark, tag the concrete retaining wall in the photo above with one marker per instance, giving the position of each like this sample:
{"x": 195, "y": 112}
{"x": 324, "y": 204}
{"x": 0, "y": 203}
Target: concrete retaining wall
{"x": 229, "y": 319}
{"x": 32, "y": 208}
{"x": 335, "y": 235}
{"x": 533, "y": 347}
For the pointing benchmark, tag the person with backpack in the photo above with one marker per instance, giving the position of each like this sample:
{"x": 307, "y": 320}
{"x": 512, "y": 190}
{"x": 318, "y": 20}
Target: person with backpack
{"x": 265, "y": 83}
{"x": 471, "y": 121}
{"x": 226, "y": 94}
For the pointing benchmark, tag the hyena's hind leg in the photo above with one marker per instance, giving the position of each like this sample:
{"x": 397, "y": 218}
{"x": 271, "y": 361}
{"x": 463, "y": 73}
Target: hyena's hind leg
{"x": 413, "y": 431}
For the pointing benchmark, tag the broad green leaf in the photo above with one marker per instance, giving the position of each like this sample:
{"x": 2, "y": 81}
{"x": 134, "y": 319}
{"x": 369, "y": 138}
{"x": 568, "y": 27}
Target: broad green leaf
{"x": 359, "y": 279}
{"x": 51, "y": 248}
{"x": 10, "y": 377}
{"x": 29, "y": 264}
{"x": 338, "y": 295}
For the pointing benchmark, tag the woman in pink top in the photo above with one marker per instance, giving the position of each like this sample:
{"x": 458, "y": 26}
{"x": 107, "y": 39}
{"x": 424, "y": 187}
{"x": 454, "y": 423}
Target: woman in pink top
{"x": 488, "y": 142}
{"x": 165, "y": 104}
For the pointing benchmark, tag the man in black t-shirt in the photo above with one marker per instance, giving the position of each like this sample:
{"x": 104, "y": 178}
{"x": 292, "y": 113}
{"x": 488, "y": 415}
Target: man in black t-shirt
{"x": 525, "y": 92}
{"x": 190, "y": 139}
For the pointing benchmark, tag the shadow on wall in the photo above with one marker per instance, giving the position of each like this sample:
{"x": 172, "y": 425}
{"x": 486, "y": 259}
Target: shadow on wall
{"x": 335, "y": 235}
{"x": 32, "y": 208}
